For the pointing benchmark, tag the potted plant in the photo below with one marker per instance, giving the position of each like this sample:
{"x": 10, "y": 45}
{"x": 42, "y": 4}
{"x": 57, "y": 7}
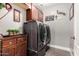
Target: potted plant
{"x": 16, "y": 31}
{"x": 10, "y": 31}
{"x": 1, "y": 5}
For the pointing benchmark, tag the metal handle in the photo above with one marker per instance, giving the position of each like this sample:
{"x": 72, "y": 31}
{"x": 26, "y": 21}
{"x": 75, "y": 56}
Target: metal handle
{"x": 10, "y": 44}
{"x": 73, "y": 37}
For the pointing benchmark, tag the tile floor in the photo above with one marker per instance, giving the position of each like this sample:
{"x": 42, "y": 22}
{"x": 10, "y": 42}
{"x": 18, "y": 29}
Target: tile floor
{"x": 57, "y": 52}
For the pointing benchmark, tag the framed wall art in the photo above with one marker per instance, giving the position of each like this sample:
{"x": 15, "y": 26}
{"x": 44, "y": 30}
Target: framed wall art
{"x": 16, "y": 15}
{"x": 71, "y": 12}
{"x": 49, "y": 18}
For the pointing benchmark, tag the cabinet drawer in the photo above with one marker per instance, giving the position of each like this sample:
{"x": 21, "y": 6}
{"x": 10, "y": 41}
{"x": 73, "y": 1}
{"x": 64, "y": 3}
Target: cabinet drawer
{"x": 8, "y": 51}
{"x": 20, "y": 40}
{"x": 8, "y": 43}
{"x": 21, "y": 50}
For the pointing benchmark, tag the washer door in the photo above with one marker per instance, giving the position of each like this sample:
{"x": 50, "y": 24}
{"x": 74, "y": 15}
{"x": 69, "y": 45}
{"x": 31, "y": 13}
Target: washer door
{"x": 42, "y": 32}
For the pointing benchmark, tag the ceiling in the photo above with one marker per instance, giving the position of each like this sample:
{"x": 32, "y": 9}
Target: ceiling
{"x": 44, "y": 6}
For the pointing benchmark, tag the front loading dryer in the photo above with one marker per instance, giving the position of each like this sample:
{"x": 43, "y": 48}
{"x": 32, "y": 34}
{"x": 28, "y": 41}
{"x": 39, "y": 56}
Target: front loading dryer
{"x": 35, "y": 33}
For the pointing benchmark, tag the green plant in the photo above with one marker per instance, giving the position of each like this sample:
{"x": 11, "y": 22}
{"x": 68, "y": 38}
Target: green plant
{"x": 13, "y": 30}
{"x": 1, "y": 5}
{"x": 16, "y": 30}
{"x": 10, "y": 30}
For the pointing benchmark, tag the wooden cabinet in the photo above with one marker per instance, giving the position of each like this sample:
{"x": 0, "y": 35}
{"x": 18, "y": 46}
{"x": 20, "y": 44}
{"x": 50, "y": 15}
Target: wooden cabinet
{"x": 0, "y": 47}
{"x": 21, "y": 50}
{"x": 14, "y": 45}
{"x": 9, "y": 46}
{"x": 28, "y": 14}
{"x": 40, "y": 16}
{"x": 34, "y": 13}
{"x": 21, "y": 47}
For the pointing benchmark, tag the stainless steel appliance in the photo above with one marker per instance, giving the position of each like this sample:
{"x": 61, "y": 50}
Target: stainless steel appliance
{"x": 35, "y": 32}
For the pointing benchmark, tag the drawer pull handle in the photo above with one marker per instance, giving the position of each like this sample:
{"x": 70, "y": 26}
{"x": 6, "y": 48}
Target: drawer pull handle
{"x": 10, "y": 43}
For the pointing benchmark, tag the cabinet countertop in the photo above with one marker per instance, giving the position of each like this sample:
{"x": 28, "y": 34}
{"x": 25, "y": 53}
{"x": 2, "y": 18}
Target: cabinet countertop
{"x": 12, "y": 36}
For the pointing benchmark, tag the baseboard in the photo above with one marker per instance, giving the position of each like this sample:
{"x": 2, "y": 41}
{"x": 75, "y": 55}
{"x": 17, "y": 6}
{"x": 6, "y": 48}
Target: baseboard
{"x": 59, "y": 47}
{"x": 76, "y": 50}
{"x": 71, "y": 52}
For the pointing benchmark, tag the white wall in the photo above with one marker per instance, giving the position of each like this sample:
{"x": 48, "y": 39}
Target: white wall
{"x": 7, "y": 22}
{"x": 76, "y": 47}
{"x": 61, "y": 28}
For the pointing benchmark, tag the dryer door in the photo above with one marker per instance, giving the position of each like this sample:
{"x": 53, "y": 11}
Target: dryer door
{"x": 42, "y": 32}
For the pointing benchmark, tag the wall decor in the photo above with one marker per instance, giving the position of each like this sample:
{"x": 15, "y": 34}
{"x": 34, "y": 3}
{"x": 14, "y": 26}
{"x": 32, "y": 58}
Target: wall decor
{"x": 71, "y": 11}
{"x": 8, "y": 8}
{"x": 51, "y": 18}
{"x": 61, "y": 12}
{"x": 1, "y": 6}
{"x": 16, "y": 15}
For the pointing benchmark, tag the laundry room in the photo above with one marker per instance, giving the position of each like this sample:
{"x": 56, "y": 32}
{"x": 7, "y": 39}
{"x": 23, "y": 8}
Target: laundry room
{"x": 37, "y": 29}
